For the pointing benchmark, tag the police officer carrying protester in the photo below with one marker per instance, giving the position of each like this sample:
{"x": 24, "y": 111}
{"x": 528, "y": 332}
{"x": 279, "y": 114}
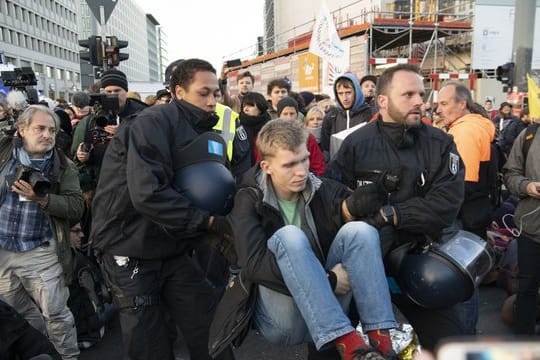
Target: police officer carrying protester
{"x": 419, "y": 169}
{"x": 164, "y": 187}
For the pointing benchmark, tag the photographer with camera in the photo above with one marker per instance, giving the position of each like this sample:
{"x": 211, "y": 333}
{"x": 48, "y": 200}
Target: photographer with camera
{"x": 39, "y": 197}
{"x": 94, "y": 132}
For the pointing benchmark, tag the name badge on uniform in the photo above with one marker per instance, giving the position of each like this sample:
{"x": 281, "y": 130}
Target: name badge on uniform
{"x": 454, "y": 163}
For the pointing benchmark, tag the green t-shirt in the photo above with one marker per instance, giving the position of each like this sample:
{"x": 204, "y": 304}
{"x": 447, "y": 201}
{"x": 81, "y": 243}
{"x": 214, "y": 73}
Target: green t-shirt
{"x": 290, "y": 212}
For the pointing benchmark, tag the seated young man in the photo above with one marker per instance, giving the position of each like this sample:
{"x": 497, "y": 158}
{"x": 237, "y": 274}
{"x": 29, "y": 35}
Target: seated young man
{"x": 296, "y": 238}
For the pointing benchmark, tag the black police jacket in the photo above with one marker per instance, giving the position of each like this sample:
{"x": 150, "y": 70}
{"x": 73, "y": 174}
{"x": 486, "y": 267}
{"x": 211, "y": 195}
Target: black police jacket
{"x": 137, "y": 212}
{"x": 426, "y": 162}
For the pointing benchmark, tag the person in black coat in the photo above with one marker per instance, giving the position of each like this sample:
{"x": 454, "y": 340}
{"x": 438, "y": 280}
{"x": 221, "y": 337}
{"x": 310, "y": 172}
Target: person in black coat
{"x": 21, "y": 341}
{"x": 513, "y": 129}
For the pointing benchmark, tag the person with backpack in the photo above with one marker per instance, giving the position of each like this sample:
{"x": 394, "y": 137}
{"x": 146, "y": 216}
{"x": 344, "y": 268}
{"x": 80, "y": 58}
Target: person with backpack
{"x": 522, "y": 178}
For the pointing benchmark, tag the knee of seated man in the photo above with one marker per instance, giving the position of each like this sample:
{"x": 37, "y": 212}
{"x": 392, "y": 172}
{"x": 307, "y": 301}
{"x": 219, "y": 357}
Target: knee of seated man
{"x": 292, "y": 237}
{"x": 368, "y": 234}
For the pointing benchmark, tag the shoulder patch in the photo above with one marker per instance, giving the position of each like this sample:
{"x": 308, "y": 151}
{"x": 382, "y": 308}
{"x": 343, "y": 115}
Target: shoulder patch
{"x": 241, "y": 133}
{"x": 453, "y": 163}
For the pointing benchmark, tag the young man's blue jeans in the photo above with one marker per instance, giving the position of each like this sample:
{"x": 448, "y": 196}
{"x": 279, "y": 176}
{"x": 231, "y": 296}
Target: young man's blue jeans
{"x": 314, "y": 313}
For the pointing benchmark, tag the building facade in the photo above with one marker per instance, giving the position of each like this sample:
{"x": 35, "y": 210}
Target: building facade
{"x": 42, "y": 35}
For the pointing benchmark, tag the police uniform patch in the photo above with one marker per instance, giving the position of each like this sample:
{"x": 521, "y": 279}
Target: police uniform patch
{"x": 453, "y": 164}
{"x": 241, "y": 133}
{"x": 215, "y": 148}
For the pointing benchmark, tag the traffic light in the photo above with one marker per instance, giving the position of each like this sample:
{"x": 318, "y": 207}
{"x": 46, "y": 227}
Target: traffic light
{"x": 505, "y": 74}
{"x": 94, "y": 54}
{"x": 114, "y": 56}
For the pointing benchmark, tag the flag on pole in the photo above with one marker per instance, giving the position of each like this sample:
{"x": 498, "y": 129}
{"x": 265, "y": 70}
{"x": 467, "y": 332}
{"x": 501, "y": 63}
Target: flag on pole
{"x": 325, "y": 41}
{"x": 534, "y": 98}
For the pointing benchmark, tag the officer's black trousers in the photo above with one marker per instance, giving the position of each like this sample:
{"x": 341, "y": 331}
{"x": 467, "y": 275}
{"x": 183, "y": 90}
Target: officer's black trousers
{"x": 183, "y": 293}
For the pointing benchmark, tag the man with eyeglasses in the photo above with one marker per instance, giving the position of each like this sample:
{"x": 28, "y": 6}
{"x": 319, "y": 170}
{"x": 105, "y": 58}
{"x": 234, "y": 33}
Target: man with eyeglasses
{"x": 39, "y": 197}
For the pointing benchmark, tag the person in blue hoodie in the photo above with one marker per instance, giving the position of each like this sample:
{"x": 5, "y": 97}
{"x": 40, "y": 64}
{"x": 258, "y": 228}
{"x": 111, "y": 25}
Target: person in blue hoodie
{"x": 350, "y": 110}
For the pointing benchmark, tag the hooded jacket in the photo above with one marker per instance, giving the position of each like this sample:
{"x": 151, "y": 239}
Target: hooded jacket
{"x": 339, "y": 119}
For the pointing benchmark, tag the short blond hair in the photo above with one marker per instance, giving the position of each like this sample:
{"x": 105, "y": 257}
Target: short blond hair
{"x": 315, "y": 109}
{"x": 280, "y": 134}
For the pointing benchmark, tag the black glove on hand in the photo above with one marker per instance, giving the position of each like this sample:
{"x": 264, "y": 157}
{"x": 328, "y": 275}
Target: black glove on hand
{"x": 376, "y": 220}
{"x": 223, "y": 240}
{"x": 221, "y": 226}
{"x": 364, "y": 201}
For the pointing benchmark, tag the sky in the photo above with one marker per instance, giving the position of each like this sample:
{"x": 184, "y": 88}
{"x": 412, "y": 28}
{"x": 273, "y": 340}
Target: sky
{"x": 213, "y": 30}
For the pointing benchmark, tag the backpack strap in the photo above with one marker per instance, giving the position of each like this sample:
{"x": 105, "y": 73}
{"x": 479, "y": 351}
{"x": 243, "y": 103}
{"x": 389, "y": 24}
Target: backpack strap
{"x": 530, "y": 132}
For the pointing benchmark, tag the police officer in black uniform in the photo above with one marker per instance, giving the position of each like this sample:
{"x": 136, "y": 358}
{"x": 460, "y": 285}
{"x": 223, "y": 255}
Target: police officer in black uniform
{"x": 164, "y": 187}
{"x": 419, "y": 175}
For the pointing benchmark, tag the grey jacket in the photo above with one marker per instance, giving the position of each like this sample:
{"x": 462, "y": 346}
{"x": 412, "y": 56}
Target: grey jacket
{"x": 517, "y": 176}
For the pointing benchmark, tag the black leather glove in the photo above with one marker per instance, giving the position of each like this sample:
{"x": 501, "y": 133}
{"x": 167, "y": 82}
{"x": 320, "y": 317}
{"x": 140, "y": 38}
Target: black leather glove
{"x": 222, "y": 239}
{"x": 221, "y": 226}
{"x": 364, "y": 201}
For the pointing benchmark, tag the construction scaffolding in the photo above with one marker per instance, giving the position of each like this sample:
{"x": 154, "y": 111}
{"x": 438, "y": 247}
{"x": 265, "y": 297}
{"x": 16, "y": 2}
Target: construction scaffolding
{"x": 437, "y": 35}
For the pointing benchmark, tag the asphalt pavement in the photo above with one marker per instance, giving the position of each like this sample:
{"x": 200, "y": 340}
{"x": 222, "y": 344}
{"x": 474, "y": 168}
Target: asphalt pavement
{"x": 255, "y": 347}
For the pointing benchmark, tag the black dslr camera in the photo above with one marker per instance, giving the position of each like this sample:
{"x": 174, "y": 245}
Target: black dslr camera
{"x": 105, "y": 109}
{"x": 40, "y": 184}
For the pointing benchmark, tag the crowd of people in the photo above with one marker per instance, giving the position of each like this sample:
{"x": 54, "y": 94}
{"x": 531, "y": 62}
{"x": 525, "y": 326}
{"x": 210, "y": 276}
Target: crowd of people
{"x": 204, "y": 213}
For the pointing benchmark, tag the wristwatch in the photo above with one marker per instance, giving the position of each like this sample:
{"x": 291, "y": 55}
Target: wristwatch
{"x": 388, "y": 214}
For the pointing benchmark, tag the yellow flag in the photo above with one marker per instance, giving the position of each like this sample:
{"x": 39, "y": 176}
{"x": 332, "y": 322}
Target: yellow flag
{"x": 534, "y": 98}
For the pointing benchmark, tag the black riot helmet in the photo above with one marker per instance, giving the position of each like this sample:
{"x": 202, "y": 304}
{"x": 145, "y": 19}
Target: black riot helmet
{"x": 441, "y": 275}
{"x": 201, "y": 174}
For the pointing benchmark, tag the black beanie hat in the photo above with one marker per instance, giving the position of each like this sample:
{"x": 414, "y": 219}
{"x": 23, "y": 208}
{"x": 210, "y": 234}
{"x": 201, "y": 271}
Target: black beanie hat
{"x": 308, "y": 97}
{"x": 115, "y": 78}
{"x": 286, "y": 101}
{"x": 371, "y": 78}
